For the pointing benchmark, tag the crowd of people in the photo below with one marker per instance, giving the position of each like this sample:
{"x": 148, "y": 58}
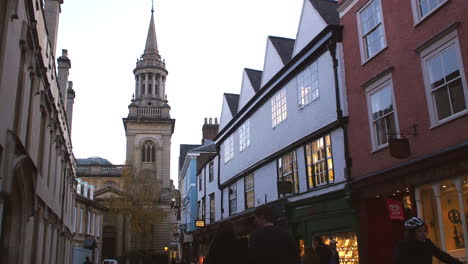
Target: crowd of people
{"x": 270, "y": 244}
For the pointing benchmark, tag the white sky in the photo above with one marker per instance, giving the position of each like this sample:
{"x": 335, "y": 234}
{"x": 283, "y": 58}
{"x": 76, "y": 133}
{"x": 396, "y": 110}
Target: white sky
{"x": 206, "y": 44}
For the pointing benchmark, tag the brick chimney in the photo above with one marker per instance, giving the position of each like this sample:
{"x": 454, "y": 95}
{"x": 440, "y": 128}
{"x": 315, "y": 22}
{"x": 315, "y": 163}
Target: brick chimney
{"x": 209, "y": 129}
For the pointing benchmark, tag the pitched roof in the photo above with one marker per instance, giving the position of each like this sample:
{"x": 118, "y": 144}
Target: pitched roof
{"x": 255, "y": 77}
{"x": 233, "y": 102}
{"x": 184, "y": 148}
{"x": 327, "y": 10}
{"x": 284, "y": 46}
{"x": 206, "y": 148}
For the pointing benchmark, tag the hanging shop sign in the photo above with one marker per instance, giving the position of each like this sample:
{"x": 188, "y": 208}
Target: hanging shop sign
{"x": 395, "y": 209}
{"x": 200, "y": 223}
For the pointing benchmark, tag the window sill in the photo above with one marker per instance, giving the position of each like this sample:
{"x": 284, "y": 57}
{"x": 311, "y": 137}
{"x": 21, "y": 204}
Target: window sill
{"x": 424, "y": 18}
{"x": 442, "y": 122}
{"x": 377, "y": 149}
{"x": 373, "y": 56}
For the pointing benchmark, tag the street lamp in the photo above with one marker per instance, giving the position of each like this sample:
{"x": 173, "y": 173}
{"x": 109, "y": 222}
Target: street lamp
{"x": 165, "y": 250}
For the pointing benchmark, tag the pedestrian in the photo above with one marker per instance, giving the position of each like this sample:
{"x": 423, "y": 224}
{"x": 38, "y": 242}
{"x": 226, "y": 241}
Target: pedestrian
{"x": 269, "y": 244}
{"x": 225, "y": 247}
{"x": 322, "y": 250}
{"x": 87, "y": 261}
{"x": 416, "y": 248}
{"x": 334, "y": 257}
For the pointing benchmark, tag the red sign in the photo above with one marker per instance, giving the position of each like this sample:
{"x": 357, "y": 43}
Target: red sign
{"x": 395, "y": 210}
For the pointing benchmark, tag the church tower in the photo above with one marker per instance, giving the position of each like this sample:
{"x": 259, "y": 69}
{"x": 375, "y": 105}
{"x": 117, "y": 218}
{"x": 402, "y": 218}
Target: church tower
{"x": 149, "y": 128}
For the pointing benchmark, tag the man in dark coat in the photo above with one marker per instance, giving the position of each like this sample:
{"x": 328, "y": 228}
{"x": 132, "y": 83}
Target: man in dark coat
{"x": 269, "y": 244}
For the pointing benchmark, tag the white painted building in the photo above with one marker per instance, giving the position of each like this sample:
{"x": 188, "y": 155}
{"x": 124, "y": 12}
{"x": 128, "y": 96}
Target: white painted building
{"x": 282, "y": 141}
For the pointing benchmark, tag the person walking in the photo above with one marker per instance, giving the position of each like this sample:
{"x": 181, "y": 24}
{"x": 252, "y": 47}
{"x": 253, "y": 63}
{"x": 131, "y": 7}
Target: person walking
{"x": 269, "y": 244}
{"x": 87, "y": 261}
{"x": 416, "y": 248}
{"x": 322, "y": 250}
{"x": 334, "y": 257}
{"x": 225, "y": 247}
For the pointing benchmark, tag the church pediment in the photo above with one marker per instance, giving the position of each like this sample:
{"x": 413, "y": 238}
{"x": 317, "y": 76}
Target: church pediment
{"x": 108, "y": 193}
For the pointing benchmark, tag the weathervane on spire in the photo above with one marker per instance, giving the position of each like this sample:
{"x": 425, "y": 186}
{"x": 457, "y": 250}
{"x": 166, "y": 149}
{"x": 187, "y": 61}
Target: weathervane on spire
{"x": 152, "y": 6}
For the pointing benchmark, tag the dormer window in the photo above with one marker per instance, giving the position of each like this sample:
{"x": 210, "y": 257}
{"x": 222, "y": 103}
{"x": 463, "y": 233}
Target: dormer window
{"x": 148, "y": 152}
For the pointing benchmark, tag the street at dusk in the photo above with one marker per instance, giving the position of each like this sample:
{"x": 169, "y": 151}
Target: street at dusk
{"x": 248, "y": 132}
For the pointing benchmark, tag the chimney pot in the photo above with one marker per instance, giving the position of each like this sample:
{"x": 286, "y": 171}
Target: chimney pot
{"x": 64, "y": 53}
{"x": 206, "y": 120}
{"x": 211, "y": 120}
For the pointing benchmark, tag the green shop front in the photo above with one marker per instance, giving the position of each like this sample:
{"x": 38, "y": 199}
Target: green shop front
{"x": 329, "y": 216}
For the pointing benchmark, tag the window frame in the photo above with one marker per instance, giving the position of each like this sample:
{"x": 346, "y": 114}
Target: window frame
{"x": 211, "y": 171}
{"x": 449, "y": 40}
{"x": 301, "y": 98}
{"x": 307, "y": 165}
{"x": 212, "y": 208}
{"x": 228, "y": 149}
{"x": 244, "y": 135}
{"x": 148, "y": 155}
{"x": 294, "y": 171}
{"x": 418, "y": 17}
{"x": 232, "y": 196}
{"x": 362, "y": 47}
{"x": 378, "y": 85}
{"x": 279, "y": 107}
{"x": 247, "y": 191}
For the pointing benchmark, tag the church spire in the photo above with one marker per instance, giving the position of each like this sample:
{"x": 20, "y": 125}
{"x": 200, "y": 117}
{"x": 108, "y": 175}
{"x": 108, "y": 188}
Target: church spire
{"x": 151, "y": 43}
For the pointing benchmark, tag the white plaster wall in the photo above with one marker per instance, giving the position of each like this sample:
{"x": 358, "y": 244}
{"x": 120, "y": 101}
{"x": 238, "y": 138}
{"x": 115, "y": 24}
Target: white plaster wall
{"x": 265, "y": 140}
{"x": 265, "y": 184}
{"x": 247, "y": 90}
{"x": 272, "y": 63}
{"x": 310, "y": 24}
{"x": 226, "y": 114}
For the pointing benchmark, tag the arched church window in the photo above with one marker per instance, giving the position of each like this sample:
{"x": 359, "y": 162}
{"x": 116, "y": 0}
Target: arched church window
{"x": 148, "y": 152}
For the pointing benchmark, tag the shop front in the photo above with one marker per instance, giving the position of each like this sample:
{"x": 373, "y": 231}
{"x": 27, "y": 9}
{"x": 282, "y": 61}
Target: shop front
{"x": 329, "y": 216}
{"x": 433, "y": 188}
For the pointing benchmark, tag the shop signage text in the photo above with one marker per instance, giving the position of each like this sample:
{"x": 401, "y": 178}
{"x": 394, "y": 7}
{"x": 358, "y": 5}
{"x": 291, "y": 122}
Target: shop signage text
{"x": 395, "y": 210}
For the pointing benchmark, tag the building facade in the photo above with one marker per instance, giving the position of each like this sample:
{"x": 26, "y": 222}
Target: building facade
{"x": 283, "y": 141}
{"x": 87, "y": 223}
{"x": 37, "y": 166}
{"x": 408, "y": 97}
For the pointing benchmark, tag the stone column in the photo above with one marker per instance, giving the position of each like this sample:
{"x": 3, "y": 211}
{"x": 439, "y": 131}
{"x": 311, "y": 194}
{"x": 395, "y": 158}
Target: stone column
{"x": 436, "y": 189}
{"x": 146, "y": 84}
{"x": 163, "y": 87}
{"x": 160, "y": 87}
{"x": 153, "y": 83}
{"x": 459, "y": 186}
{"x": 137, "y": 87}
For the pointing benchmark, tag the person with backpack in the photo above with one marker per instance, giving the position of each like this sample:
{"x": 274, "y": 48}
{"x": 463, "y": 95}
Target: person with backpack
{"x": 416, "y": 248}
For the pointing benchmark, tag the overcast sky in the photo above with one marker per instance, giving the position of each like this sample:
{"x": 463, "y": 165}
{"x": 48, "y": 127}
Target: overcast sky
{"x": 206, "y": 45}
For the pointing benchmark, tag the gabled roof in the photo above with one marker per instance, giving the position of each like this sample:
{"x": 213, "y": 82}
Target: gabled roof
{"x": 184, "y": 148}
{"x": 205, "y": 148}
{"x": 327, "y": 10}
{"x": 284, "y": 47}
{"x": 108, "y": 189}
{"x": 255, "y": 77}
{"x": 233, "y": 102}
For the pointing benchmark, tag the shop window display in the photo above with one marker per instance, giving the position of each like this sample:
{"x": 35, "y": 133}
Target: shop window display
{"x": 347, "y": 246}
{"x": 443, "y": 205}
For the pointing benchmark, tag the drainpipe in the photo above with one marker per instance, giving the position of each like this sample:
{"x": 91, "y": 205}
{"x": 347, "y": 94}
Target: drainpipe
{"x": 339, "y": 111}
{"x": 219, "y": 180}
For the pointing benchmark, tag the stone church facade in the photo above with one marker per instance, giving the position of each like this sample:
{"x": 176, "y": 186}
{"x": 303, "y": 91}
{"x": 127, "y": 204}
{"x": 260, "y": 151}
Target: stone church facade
{"x": 148, "y": 128}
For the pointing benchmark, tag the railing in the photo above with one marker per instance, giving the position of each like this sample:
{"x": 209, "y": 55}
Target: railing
{"x": 106, "y": 170}
{"x": 149, "y": 112}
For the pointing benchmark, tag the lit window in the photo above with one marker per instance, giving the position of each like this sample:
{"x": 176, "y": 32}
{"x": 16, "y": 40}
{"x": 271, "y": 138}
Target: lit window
{"x": 228, "y": 149}
{"x": 232, "y": 199}
{"x": 249, "y": 191}
{"x": 371, "y": 29}
{"x": 287, "y": 170}
{"x": 307, "y": 85}
{"x": 148, "y": 151}
{"x": 244, "y": 135}
{"x": 278, "y": 108}
{"x": 445, "y": 83}
{"x": 319, "y": 162}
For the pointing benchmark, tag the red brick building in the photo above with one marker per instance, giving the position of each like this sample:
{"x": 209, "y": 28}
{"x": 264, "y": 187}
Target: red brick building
{"x": 406, "y": 79}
